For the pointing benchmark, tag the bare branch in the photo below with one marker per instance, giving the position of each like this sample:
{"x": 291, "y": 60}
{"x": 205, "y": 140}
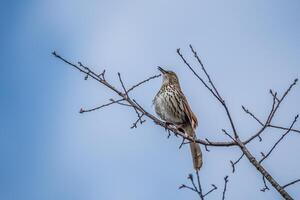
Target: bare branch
{"x": 265, "y": 185}
{"x": 198, "y": 189}
{"x": 235, "y": 140}
{"x": 120, "y": 103}
{"x": 188, "y": 187}
{"x": 142, "y": 82}
{"x": 182, "y": 143}
{"x": 134, "y": 125}
{"x": 274, "y": 95}
{"x": 283, "y": 128}
{"x": 236, "y": 162}
{"x": 102, "y": 75}
{"x": 241, "y": 144}
{"x": 252, "y": 115}
{"x": 225, "y": 132}
{"x": 214, "y": 187}
{"x": 295, "y": 119}
{"x": 203, "y": 82}
{"x": 122, "y": 83}
{"x": 273, "y": 110}
{"x": 99, "y": 107}
{"x": 100, "y": 78}
{"x": 265, "y": 124}
{"x": 199, "y": 185}
{"x": 283, "y": 97}
{"x": 291, "y": 183}
{"x": 215, "y": 92}
{"x": 206, "y": 148}
{"x": 225, "y": 187}
{"x": 204, "y": 70}
{"x": 138, "y": 114}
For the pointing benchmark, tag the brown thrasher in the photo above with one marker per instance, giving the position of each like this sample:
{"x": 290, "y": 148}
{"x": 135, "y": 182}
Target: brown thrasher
{"x": 172, "y": 106}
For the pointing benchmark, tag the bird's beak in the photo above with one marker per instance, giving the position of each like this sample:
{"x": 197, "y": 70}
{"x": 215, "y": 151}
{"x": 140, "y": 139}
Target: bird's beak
{"x": 162, "y": 70}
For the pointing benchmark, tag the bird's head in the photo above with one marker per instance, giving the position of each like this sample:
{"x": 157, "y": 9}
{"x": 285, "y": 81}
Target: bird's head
{"x": 169, "y": 77}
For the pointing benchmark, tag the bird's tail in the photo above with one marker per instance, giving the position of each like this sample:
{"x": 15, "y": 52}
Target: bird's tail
{"x": 196, "y": 155}
{"x": 195, "y": 148}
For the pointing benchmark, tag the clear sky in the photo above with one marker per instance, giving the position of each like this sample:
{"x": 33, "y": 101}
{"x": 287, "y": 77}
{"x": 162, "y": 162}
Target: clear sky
{"x": 50, "y": 151}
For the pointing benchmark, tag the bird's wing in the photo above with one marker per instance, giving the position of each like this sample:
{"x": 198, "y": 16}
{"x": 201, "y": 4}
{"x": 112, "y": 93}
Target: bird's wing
{"x": 189, "y": 113}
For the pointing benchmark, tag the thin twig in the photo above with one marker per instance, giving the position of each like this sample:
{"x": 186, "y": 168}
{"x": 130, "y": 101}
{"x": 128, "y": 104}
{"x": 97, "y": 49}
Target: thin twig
{"x": 203, "y": 82}
{"x": 295, "y": 119}
{"x": 274, "y": 95}
{"x": 138, "y": 114}
{"x": 198, "y": 190}
{"x": 283, "y": 96}
{"x": 134, "y": 125}
{"x": 142, "y": 82}
{"x": 252, "y": 115}
{"x": 102, "y": 75}
{"x": 214, "y": 91}
{"x": 291, "y": 183}
{"x": 225, "y": 187}
{"x": 236, "y": 162}
{"x": 214, "y": 187}
{"x": 99, "y": 107}
{"x": 265, "y": 125}
{"x": 120, "y": 103}
{"x": 241, "y": 144}
{"x": 188, "y": 187}
{"x": 182, "y": 143}
{"x": 122, "y": 83}
{"x": 204, "y": 70}
{"x": 199, "y": 184}
{"x": 206, "y": 148}
{"x": 265, "y": 185}
{"x": 226, "y": 133}
{"x": 283, "y": 128}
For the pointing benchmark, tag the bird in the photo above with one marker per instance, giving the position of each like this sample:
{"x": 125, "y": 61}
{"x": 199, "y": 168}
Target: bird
{"x": 171, "y": 105}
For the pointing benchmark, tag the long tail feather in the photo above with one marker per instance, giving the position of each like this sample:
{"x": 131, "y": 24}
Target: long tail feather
{"x": 196, "y": 155}
{"x": 195, "y": 148}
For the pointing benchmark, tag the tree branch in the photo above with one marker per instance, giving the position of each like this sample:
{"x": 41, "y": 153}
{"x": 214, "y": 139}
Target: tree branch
{"x": 141, "y": 112}
{"x": 280, "y": 139}
{"x": 241, "y": 145}
{"x": 236, "y": 162}
{"x": 291, "y": 183}
{"x": 225, "y": 187}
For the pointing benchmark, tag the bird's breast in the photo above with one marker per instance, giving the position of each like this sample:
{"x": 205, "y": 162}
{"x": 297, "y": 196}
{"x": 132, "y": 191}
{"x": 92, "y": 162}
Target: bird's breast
{"x": 167, "y": 108}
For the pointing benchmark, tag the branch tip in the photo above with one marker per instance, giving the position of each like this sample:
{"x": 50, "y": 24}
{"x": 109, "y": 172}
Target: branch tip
{"x": 182, "y": 186}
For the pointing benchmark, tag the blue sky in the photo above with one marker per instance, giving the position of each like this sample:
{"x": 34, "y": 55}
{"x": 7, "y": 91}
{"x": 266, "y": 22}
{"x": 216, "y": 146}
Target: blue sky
{"x": 49, "y": 151}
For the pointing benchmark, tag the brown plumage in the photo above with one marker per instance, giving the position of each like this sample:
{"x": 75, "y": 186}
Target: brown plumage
{"x": 172, "y": 106}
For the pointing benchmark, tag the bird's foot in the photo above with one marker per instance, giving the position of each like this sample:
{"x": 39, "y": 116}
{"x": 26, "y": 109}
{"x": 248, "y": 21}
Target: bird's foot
{"x": 167, "y": 124}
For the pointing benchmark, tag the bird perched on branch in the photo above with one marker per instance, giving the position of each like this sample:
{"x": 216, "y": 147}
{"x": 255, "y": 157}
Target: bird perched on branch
{"x": 172, "y": 106}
